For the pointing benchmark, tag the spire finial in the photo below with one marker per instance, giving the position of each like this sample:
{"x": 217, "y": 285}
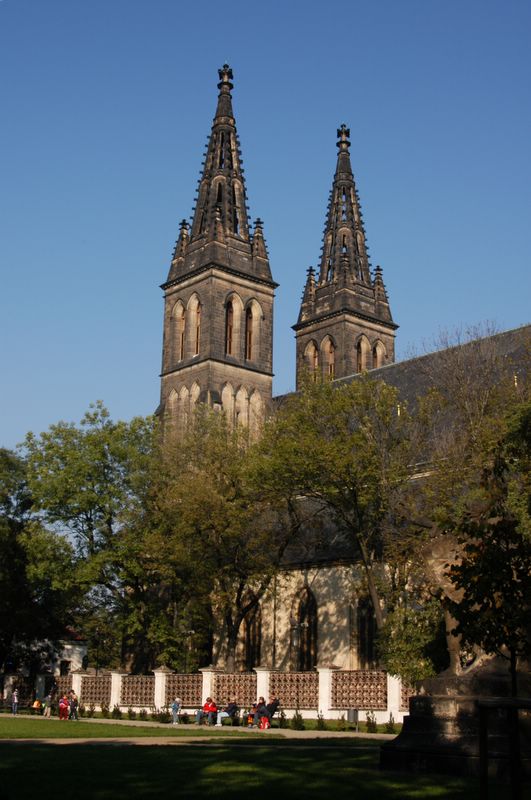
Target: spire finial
{"x": 225, "y": 78}
{"x": 342, "y": 135}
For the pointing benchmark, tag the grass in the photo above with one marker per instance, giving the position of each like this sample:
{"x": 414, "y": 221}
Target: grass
{"x": 31, "y": 728}
{"x": 298, "y": 772}
{"x": 226, "y": 768}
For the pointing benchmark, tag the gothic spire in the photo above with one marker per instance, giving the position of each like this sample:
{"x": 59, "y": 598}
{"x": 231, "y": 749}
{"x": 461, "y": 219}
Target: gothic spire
{"x": 222, "y": 185}
{"x": 344, "y": 256}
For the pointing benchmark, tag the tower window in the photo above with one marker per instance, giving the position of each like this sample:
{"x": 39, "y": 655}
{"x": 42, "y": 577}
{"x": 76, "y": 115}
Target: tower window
{"x": 229, "y": 328}
{"x": 219, "y": 198}
{"x": 331, "y": 361}
{"x": 221, "y": 162}
{"x": 235, "y": 221}
{"x": 359, "y": 358}
{"x": 248, "y": 334}
{"x": 197, "y": 329}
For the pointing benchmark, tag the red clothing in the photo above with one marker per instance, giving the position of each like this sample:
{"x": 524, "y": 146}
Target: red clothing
{"x": 210, "y": 708}
{"x": 63, "y": 708}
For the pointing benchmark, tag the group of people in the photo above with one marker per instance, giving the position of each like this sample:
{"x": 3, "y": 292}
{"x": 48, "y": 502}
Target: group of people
{"x": 258, "y": 716}
{"x": 68, "y": 706}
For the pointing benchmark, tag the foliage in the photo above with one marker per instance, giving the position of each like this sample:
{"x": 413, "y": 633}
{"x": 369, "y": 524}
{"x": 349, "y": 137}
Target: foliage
{"x": 296, "y": 723}
{"x": 91, "y": 710}
{"x": 390, "y": 725}
{"x": 105, "y": 712}
{"x": 131, "y": 713}
{"x": 341, "y": 724}
{"x": 321, "y": 722}
{"x": 143, "y": 714}
{"x": 493, "y": 572}
{"x": 370, "y": 722}
{"x": 282, "y": 720}
{"x": 411, "y": 642}
{"x": 116, "y": 712}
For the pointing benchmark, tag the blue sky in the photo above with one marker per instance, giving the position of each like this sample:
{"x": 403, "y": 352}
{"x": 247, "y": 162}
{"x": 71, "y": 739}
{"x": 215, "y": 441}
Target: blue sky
{"x": 106, "y": 108}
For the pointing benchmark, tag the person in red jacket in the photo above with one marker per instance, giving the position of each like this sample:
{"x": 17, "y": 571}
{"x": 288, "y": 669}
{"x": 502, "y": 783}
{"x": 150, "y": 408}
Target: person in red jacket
{"x": 64, "y": 707}
{"x": 209, "y": 710}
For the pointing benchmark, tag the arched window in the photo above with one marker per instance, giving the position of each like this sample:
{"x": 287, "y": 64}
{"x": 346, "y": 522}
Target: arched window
{"x": 304, "y": 632}
{"x": 311, "y": 357}
{"x": 366, "y": 634}
{"x": 358, "y": 357}
{"x": 241, "y": 407}
{"x": 328, "y": 351}
{"x": 378, "y": 355}
{"x": 363, "y": 351}
{"x": 248, "y": 334}
{"x": 179, "y": 331}
{"x": 252, "y": 634}
{"x": 229, "y": 329}
{"x": 197, "y": 343}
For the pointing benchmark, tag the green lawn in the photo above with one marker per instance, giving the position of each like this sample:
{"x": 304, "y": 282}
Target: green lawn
{"x": 248, "y": 766}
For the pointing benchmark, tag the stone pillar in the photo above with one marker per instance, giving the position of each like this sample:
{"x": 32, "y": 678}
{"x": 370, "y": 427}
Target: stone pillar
{"x": 76, "y": 682}
{"x": 262, "y": 682}
{"x": 325, "y": 689}
{"x": 208, "y": 682}
{"x": 116, "y": 687}
{"x": 394, "y": 693}
{"x": 160, "y": 687}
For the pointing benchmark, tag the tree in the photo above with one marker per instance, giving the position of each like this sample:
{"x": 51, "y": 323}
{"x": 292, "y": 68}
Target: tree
{"x": 350, "y": 448}
{"x": 88, "y": 483}
{"x": 493, "y": 570}
{"x": 37, "y": 594}
{"x": 216, "y": 524}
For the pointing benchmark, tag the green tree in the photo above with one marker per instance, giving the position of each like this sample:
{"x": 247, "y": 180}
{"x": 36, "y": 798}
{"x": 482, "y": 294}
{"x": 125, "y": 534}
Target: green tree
{"x": 37, "y": 594}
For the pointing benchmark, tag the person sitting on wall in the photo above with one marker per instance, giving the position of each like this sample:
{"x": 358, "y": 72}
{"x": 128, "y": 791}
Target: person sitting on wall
{"x": 250, "y": 715}
{"x": 230, "y": 711}
{"x": 272, "y": 706}
{"x": 260, "y": 711}
{"x": 209, "y": 710}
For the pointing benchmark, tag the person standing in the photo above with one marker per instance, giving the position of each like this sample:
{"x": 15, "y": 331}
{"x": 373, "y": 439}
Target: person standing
{"x": 14, "y": 702}
{"x": 48, "y": 706}
{"x": 73, "y": 704}
{"x": 175, "y": 709}
{"x": 64, "y": 707}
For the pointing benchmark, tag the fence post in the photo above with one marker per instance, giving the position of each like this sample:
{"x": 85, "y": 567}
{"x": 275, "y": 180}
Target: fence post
{"x": 262, "y": 682}
{"x": 160, "y": 686}
{"x": 394, "y": 695}
{"x": 208, "y": 682}
{"x": 324, "y": 700}
{"x": 116, "y": 687}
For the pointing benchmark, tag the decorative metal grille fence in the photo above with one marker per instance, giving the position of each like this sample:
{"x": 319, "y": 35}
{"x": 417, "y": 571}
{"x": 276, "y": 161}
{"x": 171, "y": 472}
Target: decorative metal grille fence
{"x": 240, "y": 685}
{"x": 63, "y": 684}
{"x": 138, "y": 690}
{"x": 95, "y": 690}
{"x": 188, "y": 687}
{"x": 363, "y": 689}
{"x": 25, "y": 687}
{"x": 405, "y": 693}
{"x": 295, "y": 689}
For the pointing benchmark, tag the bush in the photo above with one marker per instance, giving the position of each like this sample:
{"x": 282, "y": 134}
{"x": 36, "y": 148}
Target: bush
{"x": 105, "y": 713}
{"x": 91, "y": 710}
{"x": 341, "y": 724}
{"x": 184, "y": 718}
{"x": 116, "y": 713}
{"x": 143, "y": 714}
{"x": 164, "y": 716}
{"x": 81, "y": 710}
{"x": 390, "y": 726}
{"x": 282, "y": 721}
{"x": 321, "y": 724}
{"x": 131, "y": 713}
{"x": 372, "y": 727}
{"x": 297, "y": 722}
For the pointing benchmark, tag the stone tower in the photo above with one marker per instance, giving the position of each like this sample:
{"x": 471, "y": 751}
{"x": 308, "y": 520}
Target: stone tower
{"x": 218, "y": 297}
{"x": 345, "y": 324}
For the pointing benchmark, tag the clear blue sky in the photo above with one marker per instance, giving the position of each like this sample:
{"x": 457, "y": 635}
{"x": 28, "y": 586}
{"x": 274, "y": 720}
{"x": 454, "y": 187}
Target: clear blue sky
{"x": 106, "y": 106}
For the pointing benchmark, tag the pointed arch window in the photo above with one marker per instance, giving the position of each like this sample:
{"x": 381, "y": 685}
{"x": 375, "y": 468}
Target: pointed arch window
{"x": 304, "y": 632}
{"x": 248, "y": 333}
{"x": 253, "y": 635}
{"x": 229, "y": 329}
{"x": 311, "y": 357}
{"x": 197, "y": 332}
{"x": 359, "y": 358}
{"x": 331, "y": 365}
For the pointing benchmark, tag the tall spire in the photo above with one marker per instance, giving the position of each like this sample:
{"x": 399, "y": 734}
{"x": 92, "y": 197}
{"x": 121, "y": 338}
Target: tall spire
{"x": 220, "y": 230}
{"x": 344, "y": 249}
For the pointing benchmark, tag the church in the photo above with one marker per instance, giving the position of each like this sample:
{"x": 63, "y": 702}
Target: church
{"x": 218, "y": 350}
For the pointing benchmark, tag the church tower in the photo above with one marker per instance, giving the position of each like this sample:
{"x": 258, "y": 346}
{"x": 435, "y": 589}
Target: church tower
{"x": 218, "y": 297}
{"x": 345, "y": 324}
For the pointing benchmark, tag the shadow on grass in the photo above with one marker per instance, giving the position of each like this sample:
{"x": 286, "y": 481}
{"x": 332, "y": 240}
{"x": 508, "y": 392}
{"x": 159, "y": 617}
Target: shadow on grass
{"x": 113, "y": 772}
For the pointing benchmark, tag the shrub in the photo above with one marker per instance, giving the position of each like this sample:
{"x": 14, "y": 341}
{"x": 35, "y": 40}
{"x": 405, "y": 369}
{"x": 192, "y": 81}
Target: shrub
{"x": 321, "y": 724}
{"x": 116, "y": 713}
{"x": 390, "y": 726}
{"x": 154, "y": 715}
{"x": 91, "y": 710}
{"x": 184, "y": 718}
{"x": 341, "y": 724}
{"x": 372, "y": 727}
{"x": 105, "y": 713}
{"x": 282, "y": 721}
{"x": 81, "y": 710}
{"x": 131, "y": 713}
{"x": 143, "y": 714}
{"x": 297, "y": 722}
